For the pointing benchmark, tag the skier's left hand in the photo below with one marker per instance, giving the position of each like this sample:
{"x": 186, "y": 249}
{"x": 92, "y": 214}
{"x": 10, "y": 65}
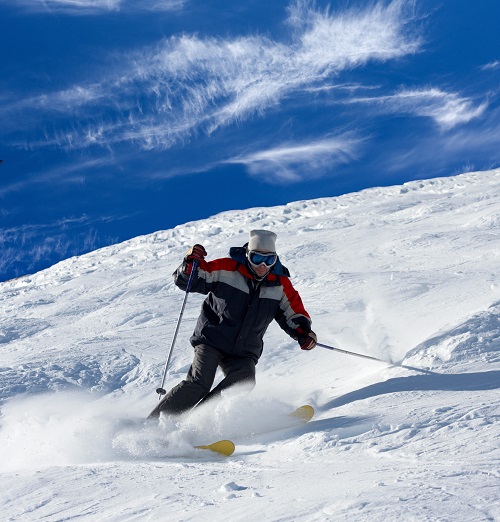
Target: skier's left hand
{"x": 307, "y": 340}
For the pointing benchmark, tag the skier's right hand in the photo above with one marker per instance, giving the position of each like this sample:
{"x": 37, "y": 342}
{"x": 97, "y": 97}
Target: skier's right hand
{"x": 195, "y": 253}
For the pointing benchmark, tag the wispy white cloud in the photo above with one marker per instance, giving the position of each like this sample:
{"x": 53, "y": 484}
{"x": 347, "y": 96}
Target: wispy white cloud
{"x": 447, "y": 109}
{"x": 160, "y": 96}
{"x": 484, "y": 138}
{"x": 65, "y": 174}
{"x": 94, "y": 7}
{"x": 352, "y": 37}
{"x": 491, "y": 66}
{"x": 432, "y": 154}
{"x": 293, "y": 162}
{"x": 348, "y": 87}
{"x": 28, "y": 245}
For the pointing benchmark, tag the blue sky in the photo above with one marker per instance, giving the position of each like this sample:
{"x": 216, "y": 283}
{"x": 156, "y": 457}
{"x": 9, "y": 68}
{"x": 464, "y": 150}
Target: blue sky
{"x": 119, "y": 118}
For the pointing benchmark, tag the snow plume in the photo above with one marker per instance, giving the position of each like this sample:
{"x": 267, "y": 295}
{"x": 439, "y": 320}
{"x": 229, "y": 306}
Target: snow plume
{"x": 65, "y": 428}
{"x": 51, "y": 430}
{"x": 69, "y": 428}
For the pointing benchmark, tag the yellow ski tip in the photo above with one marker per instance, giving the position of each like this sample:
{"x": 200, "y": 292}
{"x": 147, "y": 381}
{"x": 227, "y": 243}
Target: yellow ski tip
{"x": 304, "y": 413}
{"x": 224, "y": 447}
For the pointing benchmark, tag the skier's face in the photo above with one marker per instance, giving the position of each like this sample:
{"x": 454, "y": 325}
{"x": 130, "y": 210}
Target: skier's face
{"x": 267, "y": 260}
{"x": 261, "y": 270}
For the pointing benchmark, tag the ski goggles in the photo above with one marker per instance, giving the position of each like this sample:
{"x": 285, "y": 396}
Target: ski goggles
{"x": 257, "y": 258}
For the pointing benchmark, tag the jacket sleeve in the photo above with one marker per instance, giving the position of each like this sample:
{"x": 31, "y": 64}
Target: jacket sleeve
{"x": 291, "y": 313}
{"x": 199, "y": 282}
{"x": 207, "y": 276}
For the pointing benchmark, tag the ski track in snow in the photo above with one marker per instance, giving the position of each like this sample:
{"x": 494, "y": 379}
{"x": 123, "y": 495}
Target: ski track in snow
{"x": 407, "y": 274}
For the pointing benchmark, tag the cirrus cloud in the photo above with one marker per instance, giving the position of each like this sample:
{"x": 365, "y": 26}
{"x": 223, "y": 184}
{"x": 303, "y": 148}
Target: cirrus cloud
{"x": 95, "y": 7}
{"x": 446, "y": 109}
{"x": 294, "y": 162}
{"x": 161, "y": 96}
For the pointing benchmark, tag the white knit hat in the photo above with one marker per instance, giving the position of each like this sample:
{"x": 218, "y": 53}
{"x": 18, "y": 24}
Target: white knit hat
{"x": 263, "y": 240}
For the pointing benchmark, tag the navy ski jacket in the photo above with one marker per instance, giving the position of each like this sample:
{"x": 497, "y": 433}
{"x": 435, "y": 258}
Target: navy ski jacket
{"x": 238, "y": 309}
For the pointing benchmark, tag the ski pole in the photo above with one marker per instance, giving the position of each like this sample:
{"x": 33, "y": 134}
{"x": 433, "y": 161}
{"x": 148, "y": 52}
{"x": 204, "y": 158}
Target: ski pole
{"x": 161, "y": 391}
{"x": 375, "y": 359}
{"x": 350, "y": 353}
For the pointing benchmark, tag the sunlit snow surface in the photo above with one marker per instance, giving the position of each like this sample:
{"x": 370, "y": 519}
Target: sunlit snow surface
{"x": 408, "y": 274}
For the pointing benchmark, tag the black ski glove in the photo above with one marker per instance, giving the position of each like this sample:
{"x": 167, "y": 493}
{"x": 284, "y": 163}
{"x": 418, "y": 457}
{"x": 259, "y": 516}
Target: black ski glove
{"x": 306, "y": 340}
{"x": 195, "y": 253}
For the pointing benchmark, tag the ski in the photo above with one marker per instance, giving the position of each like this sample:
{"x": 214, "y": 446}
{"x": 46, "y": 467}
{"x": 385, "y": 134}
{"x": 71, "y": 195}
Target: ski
{"x": 303, "y": 413}
{"x": 222, "y": 447}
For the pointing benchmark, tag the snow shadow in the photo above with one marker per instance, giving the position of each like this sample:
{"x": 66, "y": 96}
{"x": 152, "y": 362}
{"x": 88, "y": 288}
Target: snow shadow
{"x": 351, "y": 425}
{"x": 478, "y": 381}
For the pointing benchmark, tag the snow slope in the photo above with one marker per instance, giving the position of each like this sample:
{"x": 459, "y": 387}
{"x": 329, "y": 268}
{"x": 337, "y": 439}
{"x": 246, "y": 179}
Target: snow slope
{"x": 408, "y": 274}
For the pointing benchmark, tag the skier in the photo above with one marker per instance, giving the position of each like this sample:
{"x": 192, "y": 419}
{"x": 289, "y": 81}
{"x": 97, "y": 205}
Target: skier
{"x": 245, "y": 293}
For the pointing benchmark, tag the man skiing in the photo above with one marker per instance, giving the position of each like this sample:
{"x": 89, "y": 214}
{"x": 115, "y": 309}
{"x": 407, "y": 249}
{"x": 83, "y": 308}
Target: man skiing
{"x": 246, "y": 291}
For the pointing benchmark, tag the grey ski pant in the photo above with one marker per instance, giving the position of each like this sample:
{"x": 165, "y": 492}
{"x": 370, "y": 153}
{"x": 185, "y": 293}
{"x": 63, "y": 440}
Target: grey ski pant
{"x": 198, "y": 382}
